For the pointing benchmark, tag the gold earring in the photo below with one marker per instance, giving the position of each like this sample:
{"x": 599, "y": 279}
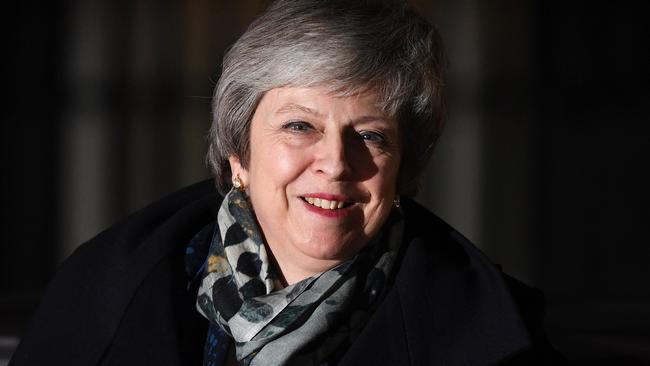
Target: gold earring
{"x": 237, "y": 183}
{"x": 396, "y": 201}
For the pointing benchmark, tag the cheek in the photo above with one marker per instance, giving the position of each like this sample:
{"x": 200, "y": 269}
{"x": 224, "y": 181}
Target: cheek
{"x": 386, "y": 180}
{"x": 383, "y": 188}
{"x": 276, "y": 167}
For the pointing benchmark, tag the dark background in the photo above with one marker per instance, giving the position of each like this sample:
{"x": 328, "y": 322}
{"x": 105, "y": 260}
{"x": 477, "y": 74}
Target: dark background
{"x": 543, "y": 164}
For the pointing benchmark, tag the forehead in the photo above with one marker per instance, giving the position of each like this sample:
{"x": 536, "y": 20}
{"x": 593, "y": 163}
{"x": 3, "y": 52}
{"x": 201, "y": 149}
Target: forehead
{"x": 320, "y": 102}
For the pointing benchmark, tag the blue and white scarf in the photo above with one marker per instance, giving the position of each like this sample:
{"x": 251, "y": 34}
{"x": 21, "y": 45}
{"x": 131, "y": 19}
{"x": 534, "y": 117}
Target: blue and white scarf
{"x": 312, "y": 322}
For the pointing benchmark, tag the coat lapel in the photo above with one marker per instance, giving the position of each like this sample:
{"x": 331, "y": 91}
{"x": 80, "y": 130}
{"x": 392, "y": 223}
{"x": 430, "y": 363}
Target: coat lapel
{"x": 448, "y": 306}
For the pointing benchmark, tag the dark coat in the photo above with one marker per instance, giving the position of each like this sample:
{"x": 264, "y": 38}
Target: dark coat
{"x": 122, "y": 299}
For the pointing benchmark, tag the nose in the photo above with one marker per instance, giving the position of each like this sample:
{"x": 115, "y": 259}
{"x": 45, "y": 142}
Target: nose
{"x": 331, "y": 158}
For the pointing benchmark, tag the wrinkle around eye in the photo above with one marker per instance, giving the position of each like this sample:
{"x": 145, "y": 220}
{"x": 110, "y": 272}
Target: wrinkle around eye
{"x": 297, "y": 133}
{"x": 297, "y": 126}
{"x": 372, "y": 136}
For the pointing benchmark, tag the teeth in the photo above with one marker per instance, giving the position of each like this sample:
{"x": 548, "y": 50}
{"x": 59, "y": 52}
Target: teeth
{"x": 326, "y": 204}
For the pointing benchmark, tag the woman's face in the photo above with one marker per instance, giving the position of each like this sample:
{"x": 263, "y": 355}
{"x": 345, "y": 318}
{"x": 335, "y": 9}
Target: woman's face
{"x": 321, "y": 175}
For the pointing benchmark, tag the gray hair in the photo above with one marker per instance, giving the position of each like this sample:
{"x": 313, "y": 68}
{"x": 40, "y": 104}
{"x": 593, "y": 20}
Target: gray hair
{"x": 347, "y": 47}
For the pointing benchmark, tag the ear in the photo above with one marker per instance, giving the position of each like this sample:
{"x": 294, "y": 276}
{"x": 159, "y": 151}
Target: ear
{"x": 237, "y": 169}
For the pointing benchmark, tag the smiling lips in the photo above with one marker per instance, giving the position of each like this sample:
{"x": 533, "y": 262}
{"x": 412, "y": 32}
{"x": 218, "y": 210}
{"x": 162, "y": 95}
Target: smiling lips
{"x": 327, "y": 202}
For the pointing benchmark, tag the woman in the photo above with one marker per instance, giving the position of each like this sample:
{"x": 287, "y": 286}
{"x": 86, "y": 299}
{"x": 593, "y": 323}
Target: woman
{"x": 325, "y": 115}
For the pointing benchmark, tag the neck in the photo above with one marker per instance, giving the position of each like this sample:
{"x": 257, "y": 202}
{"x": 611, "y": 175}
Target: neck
{"x": 294, "y": 268}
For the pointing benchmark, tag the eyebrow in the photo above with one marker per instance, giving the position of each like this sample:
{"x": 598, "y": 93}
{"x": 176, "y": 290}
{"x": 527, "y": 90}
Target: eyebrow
{"x": 292, "y": 107}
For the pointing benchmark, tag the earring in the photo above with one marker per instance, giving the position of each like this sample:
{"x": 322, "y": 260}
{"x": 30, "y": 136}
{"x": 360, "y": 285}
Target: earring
{"x": 237, "y": 183}
{"x": 396, "y": 201}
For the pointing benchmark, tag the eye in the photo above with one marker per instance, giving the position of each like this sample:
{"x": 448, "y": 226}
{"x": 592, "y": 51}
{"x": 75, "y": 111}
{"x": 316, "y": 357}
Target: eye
{"x": 297, "y": 126}
{"x": 371, "y": 136}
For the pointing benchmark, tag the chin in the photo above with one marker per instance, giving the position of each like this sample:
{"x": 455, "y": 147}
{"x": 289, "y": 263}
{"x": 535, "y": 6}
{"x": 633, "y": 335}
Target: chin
{"x": 330, "y": 250}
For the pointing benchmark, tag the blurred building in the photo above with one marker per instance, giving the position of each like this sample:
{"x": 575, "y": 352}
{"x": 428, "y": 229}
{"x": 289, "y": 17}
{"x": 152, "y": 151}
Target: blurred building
{"x": 542, "y": 164}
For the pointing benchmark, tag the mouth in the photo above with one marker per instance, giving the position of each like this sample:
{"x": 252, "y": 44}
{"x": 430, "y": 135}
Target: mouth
{"x": 327, "y": 204}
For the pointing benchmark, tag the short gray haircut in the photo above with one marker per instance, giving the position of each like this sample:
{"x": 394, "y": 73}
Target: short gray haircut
{"x": 347, "y": 47}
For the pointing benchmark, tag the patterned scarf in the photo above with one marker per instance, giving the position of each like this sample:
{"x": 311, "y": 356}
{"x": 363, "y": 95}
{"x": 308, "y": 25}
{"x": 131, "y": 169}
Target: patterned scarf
{"x": 311, "y": 322}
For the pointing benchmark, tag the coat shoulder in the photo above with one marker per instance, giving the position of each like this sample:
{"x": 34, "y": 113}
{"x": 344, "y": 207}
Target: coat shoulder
{"x": 466, "y": 294}
{"x": 88, "y": 302}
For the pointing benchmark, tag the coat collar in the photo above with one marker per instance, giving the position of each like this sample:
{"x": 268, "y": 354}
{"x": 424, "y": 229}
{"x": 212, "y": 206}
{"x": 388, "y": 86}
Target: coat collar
{"x": 449, "y": 304}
